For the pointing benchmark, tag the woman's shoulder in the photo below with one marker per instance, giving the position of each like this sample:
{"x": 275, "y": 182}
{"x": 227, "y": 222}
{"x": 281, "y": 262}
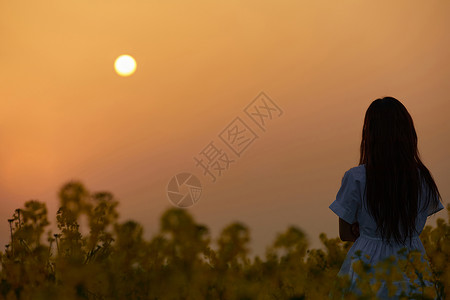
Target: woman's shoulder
{"x": 358, "y": 172}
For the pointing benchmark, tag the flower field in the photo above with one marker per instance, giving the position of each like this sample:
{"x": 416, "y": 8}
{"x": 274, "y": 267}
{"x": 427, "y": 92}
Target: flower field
{"x": 114, "y": 261}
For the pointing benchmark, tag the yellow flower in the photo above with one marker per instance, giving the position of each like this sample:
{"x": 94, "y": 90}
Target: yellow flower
{"x": 376, "y": 286}
{"x": 429, "y": 292}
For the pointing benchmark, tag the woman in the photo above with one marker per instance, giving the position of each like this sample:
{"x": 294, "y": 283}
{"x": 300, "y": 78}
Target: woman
{"x": 384, "y": 202}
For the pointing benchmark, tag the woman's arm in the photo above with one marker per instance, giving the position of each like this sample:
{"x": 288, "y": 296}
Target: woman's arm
{"x": 348, "y": 232}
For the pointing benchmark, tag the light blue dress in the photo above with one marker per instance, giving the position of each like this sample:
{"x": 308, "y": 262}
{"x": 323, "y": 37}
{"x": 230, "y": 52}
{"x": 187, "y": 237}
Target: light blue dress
{"x": 349, "y": 207}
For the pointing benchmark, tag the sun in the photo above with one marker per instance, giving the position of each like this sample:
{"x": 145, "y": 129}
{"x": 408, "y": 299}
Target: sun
{"x": 125, "y": 65}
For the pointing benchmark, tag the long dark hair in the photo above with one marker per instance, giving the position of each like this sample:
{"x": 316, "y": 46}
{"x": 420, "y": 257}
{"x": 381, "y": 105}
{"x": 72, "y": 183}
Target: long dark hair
{"x": 394, "y": 171}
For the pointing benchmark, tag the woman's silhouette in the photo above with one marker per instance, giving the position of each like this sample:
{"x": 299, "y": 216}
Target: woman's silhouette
{"x": 384, "y": 202}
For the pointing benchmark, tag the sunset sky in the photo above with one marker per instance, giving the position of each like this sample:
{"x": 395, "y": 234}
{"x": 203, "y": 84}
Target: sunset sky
{"x": 66, "y": 114}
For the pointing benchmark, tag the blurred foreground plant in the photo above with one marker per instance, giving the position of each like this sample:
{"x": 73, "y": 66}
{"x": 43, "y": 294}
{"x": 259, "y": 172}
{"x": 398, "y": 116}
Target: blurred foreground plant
{"x": 114, "y": 261}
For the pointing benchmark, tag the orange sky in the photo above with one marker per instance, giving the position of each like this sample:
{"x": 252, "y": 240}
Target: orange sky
{"x": 66, "y": 114}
